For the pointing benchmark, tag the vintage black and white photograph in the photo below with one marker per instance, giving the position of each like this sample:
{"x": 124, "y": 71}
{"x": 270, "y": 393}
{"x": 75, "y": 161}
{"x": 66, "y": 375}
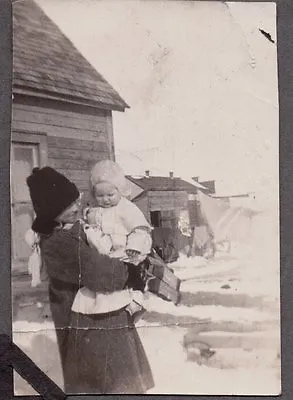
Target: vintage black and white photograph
{"x": 145, "y": 196}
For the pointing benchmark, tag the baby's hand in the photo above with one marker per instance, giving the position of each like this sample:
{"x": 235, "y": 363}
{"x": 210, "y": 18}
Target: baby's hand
{"x": 132, "y": 253}
{"x": 92, "y": 230}
{"x": 134, "y": 257}
{"x": 95, "y": 238}
{"x": 91, "y": 216}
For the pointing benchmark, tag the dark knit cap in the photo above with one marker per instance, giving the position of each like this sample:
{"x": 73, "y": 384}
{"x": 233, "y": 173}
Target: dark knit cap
{"x": 51, "y": 193}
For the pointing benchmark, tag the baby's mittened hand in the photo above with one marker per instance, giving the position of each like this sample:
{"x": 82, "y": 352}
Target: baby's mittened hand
{"x": 91, "y": 216}
{"x": 97, "y": 239}
{"x": 132, "y": 253}
{"x": 93, "y": 235}
{"x": 134, "y": 256}
{"x": 105, "y": 244}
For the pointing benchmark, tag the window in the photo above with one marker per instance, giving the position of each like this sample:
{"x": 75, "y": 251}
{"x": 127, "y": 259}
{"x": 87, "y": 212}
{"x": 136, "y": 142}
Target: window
{"x": 164, "y": 219}
{"x": 27, "y": 152}
{"x": 156, "y": 219}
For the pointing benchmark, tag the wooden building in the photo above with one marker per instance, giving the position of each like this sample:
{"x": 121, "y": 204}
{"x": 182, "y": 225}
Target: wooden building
{"x": 166, "y": 201}
{"x": 61, "y": 116}
{"x": 210, "y": 185}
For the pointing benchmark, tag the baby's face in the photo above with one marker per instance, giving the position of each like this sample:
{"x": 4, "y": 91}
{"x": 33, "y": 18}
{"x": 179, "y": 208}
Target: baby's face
{"x": 106, "y": 195}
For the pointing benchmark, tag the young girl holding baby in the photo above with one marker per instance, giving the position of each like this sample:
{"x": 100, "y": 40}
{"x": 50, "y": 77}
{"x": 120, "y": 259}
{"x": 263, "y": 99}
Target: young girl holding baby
{"x": 100, "y": 353}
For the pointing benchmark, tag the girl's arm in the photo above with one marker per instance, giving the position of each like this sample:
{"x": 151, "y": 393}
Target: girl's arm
{"x": 69, "y": 258}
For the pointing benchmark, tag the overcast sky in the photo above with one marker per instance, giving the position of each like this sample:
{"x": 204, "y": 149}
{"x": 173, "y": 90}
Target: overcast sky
{"x": 201, "y": 81}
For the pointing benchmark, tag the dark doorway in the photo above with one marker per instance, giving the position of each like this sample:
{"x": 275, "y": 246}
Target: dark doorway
{"x": 156, "y": 219}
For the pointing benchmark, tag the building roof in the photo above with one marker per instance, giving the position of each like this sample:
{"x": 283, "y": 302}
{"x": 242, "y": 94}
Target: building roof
{"x": 230, "y": 196}
{"x": 46, "y": 63}
{"x": 156, "y": 183}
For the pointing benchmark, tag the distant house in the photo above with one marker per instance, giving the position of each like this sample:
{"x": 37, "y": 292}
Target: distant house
{"x": 165, "y": 201}
{"x": 61, "y": 116}
{"x": 209, "y": 185}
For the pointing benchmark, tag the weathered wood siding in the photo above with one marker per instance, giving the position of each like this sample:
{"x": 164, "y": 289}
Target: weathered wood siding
{"x": 77, "y": 136}
{"x": 143, "y": 205}
{"x": 167, "y": 200}
{"x": 164, "y": 201}
{"x": 193, "y": 208}
{"x": 75, "y": 157}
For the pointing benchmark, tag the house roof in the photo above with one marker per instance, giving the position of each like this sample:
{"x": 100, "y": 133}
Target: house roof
{"x": 47, "y": 64}
{"x": 230, "y": 196}
{"x": 156, "y": 183}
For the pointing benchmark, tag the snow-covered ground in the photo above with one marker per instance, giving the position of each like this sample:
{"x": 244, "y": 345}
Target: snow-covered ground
{"x": 230, "y": 304}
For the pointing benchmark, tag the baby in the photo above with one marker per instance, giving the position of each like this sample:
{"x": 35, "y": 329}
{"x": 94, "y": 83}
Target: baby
{"x": 116, "y": 226}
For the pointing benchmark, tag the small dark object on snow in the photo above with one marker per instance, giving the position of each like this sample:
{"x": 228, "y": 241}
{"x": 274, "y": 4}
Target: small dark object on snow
{"x": 207, "y": 353}
{"x": 226, "y": 287}
{"x": 267, "y": 35}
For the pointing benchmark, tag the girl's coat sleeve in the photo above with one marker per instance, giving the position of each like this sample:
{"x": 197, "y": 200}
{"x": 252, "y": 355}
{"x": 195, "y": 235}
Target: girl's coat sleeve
{"x": 68, "y": 258}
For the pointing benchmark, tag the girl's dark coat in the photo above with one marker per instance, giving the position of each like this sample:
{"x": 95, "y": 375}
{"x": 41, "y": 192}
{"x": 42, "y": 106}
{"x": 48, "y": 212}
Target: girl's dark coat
{"x": 99, "y": 353}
